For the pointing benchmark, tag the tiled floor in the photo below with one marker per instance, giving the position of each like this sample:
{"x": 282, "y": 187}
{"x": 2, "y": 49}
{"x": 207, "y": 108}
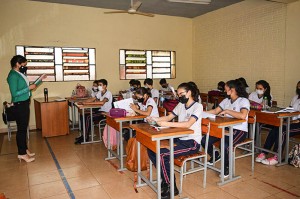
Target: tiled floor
{"x": 90, "y": 176}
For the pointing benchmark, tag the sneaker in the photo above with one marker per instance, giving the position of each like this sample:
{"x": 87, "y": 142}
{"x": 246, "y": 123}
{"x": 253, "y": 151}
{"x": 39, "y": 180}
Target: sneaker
{"x": 226, "y": 172}
{"x": 270, "y": 161}
{"x": 260, "y": 157}
{"x": 211, "y": 160}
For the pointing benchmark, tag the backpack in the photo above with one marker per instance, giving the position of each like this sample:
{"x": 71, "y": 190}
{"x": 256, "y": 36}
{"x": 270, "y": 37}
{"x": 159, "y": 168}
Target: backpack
{"x": 80, "y": 91}
{"x": 132, "y": 161}
{"x": 294, "y": 156}
{"x": 169, "y": 104}
{"x": 112, "y": 137}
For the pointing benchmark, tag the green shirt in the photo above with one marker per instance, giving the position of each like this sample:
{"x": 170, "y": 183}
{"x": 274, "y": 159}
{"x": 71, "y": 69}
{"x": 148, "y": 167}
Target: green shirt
{"x": 18, "y": 87}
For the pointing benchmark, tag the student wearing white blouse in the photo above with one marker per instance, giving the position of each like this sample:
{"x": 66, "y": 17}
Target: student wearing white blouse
{"x": 263, "y": 90}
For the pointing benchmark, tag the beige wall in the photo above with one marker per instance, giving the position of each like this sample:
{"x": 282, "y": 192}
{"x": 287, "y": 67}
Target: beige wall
{"x": 292, "y": 61}
{"x": 43, "y": 24}
{"x": 246, "y": 39}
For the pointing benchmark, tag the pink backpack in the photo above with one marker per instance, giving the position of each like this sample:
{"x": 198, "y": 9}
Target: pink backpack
{"x": 112, "y": 135}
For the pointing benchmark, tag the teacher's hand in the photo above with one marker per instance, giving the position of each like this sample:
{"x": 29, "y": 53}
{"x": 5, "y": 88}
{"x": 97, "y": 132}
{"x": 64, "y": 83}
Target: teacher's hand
{"x": 32, "y": 86}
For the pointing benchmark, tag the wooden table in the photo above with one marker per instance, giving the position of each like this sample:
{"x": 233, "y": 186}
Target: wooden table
{"x": 217, "y": 129}
{"x": 81, "y": 109}
{"x": 51, "y": 116}
{"x": 118, "y": 124}
{"x": 151, "y": 138}
{"x": 275, "y": 119}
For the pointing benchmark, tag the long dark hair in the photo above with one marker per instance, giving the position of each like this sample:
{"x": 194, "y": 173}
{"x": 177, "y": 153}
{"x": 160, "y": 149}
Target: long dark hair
{"x": 17, "y": 59}
{"x": 238, "y": 86}
{"x": 142, "y": 91}
{"x": 267, "y": 88}
{"x": 191, "y": 86}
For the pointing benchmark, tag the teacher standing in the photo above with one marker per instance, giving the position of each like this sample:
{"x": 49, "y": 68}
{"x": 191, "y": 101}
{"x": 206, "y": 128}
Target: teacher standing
{"x": 20, "y": 94}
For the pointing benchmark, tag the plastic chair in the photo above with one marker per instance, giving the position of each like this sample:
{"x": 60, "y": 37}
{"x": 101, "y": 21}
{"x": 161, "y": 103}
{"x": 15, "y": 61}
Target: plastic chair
{"x": 182, "y": 161}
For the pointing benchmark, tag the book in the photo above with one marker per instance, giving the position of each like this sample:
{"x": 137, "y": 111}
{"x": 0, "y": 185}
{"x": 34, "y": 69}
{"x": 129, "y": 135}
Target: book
{"x": 39, "y": 79}
{"x": 124, "y": 104}
{"x": 208, "y": 115}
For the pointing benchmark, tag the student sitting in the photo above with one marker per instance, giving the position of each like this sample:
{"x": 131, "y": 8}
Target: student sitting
{"x": 146, "y": 105}
{"x": 154, "y": 92}
{"x": 95, "y": 89}
{"x": 189, "y": 113}
{"x": 104, "y": 98}
{"x": 243, "y": 81}
{"x": 216, "y": 93}
{"x": 272, "y": 139}
{"x": 263, "y": 90}
{"x": 165, "y": 87}
{"x": 236, "y": 106}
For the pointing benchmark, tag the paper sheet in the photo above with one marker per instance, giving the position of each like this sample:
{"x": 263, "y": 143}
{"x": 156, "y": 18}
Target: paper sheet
{"x": 208, "y": 115}
{"x": 124, "y": 104}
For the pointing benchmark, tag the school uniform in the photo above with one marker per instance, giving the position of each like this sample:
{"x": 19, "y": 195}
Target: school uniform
{"x": 150, "y": 102}
{"x": 169, "y": 88}
{"x": 239, "y": 131}
{"x": 185, "y": 145}
{"x": 272, "y": 138}
{"x": 155, "y": 93}
{"x": 254, "y": 97}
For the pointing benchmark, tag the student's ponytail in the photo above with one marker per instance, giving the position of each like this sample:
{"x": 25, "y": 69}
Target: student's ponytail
{"x": 191, "y": 86}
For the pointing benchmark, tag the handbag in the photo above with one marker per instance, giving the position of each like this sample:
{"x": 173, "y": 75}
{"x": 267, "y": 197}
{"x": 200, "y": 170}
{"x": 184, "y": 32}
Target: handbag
{"x": 80, "y": 91}
{"x": 117, "y": 112}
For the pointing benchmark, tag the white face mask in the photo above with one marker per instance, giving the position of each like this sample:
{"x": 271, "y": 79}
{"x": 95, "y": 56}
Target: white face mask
{"x": 100, "y": 88}
{"x": 146, "y": 86}
{"x": 260, "y": 92}
{"x": 248, "y": 90}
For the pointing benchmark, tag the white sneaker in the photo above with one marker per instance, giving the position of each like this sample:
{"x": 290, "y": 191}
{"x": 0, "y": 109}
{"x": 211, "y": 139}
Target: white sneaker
{"x": 270, "y": 161}
{"x": 260, "y": 157}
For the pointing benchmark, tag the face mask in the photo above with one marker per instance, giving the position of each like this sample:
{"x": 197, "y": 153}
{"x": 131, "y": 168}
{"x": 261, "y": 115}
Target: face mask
{"x": 183, "y": 99}
{"x": 141, "y": 100}
{"x": 95, "y": 89}
{"x": 220, "y": 88}
{"x": 247, "y": 90}
{"x": 259, "y": 92}
{"x": 100, "y": 88}
{"x": 227, "y": 96}
{"x": 146, "y": 87}
{"x": 298, "y": 91}
{"x": 23, "y": 69}
{"x": 164, "y": 86}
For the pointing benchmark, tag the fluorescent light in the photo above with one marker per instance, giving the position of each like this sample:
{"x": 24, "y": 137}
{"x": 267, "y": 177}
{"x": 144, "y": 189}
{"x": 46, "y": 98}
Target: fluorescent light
{"x": 191, "y": 1}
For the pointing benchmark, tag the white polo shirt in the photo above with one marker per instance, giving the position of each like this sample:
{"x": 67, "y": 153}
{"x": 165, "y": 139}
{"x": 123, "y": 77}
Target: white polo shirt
{"x": 239, "y": 104}
{"x": 185, "y": 113}
{"x": 154, "y": 93}
{"x": 295, "y": 103}
{"x": 108, "y": 105}
{"x": 167, "y": 89}
{"x": 150, "y": 102}
{"x": 254, "y": 97}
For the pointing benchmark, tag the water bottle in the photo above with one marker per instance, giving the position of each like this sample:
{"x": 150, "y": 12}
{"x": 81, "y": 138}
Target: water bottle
{"x": 73, "y": 93}
{"x": 265, "y": 103}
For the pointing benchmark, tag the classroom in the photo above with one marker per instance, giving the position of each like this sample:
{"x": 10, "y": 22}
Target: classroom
{"x": 223, "y": 41}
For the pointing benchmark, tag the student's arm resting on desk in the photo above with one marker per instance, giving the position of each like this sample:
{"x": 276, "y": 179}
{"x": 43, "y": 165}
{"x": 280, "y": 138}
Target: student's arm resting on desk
{"x": 215, "y": 111}
{"x": 94, "y": 101}
{"x": 239, "y": 115}
{"x": 186, "y": 124}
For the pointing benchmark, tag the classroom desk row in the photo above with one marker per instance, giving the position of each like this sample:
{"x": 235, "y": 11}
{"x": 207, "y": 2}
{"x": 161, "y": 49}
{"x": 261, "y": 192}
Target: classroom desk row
{"x": 152, "y": 139}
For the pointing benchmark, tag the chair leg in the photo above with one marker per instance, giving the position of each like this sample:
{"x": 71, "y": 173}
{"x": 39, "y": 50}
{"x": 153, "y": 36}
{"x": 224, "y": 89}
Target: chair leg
{"x": 205, "y": 169}
{"x": 181, "y": 178}
{"x": 214, "y": 150}
{"x": 252, "y": 166}
{"x": 233, "y": 162}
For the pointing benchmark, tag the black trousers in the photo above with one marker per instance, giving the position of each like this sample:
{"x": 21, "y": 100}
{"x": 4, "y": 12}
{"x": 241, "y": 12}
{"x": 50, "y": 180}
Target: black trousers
{"x": 22, "y": 120}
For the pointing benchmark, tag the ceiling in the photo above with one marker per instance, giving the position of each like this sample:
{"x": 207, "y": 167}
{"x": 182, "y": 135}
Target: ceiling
{"x": 162, "y": 7}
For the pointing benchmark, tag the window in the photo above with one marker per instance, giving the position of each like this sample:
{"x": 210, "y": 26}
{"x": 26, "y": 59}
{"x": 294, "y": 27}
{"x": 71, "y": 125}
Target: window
{"x": 59, "y": 63}
{"x": 142, "y": 64}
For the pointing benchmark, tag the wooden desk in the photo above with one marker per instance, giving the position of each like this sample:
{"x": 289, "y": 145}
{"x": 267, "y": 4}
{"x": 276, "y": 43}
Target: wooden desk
{"x": 217, "y": 129}
{"x": 118, "y": 124}
{"x": 151, "y": 138}
{"x": 51, "y": 116}
{"x": 275, "y": 119}
{"x": 81, "y": 109}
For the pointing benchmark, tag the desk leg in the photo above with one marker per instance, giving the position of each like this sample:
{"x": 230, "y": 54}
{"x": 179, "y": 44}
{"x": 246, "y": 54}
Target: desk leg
{"x": 258, "y": 135}
{"x": 121, "y": 149}
{"x": 222, "y": 156}
{"x": 230, "y": 151}
{"x": 73, "y": 115}
{"x": 158, "y": 169}
{"x": 287, "y": 138}
{"x": 108, "y": 144}
{"x": 172, "y": 168}
{"x": 280, "y": 141}
{"x": 139, "y": 181}
{"x": 83, "y": 125}
{"x": 92, "y": 124}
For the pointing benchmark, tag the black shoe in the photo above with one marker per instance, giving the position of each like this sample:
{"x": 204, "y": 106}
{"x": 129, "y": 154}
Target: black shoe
{"x": 165, "y": 194}
{"x": 211, "y": 160}
{"x": 78, "y": 141}
{"x": 79, "y": 137}
{"x": 226, "y": 172}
